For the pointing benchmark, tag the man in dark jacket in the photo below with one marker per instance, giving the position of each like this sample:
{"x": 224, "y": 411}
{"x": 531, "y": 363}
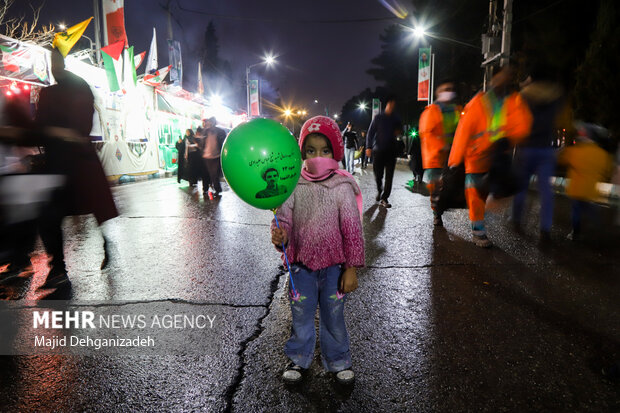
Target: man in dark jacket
{"x": 381, "y": 145}
{"x": 67, "y": 108}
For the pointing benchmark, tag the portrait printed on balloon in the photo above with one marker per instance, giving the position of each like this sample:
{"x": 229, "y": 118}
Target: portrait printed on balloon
{"x": 261, "y": 162}
{"x": 272, "y": 177}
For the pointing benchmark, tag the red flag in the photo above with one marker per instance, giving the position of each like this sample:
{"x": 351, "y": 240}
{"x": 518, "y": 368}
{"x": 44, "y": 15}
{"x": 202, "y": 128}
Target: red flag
{"x": 156, "y": 78}
{"x": 114, "y": 50}
{"x": 139, "y": 59}
{"x": 114, "y": 31}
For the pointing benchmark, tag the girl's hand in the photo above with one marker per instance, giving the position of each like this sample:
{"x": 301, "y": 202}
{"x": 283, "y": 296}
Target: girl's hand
{"x": 348, "y": 281}
{"x": 279, "y": 237}
{"x": 368, "y": 153}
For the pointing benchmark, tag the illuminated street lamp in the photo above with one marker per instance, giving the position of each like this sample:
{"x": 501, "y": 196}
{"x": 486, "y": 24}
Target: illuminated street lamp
{"x": 362, "y": 106}
{"x": 269, "y": 60}
{"x": 419, "y": 31}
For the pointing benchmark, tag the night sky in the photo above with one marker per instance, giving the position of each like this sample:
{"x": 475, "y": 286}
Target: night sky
{"x": 317, "y": 59}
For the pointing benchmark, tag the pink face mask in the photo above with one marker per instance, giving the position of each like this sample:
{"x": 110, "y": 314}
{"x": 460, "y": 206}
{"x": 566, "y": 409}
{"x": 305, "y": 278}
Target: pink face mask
{"x": 319, "y": 168}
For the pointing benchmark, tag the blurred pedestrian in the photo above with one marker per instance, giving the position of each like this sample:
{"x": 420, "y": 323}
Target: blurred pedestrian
{"x": 381, "y": 145}
{"x": 194, "y": 169}
{"x": 495, "y": 119}
{"x": 321, "y": 228}
{"x": 66, "y": 109}
{"x": 211, "y": 152}
{"x": 587, "y": 165}
{"x": 350, "y": 146}
{"x": 181, "y": 147}
{"x": 437, "y": 126}
{"x": 363, "y": 157}
{"x": 536, "y": 154}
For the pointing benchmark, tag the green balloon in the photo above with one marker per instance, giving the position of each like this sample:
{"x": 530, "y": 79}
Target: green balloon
{"x": 261, "y": 162}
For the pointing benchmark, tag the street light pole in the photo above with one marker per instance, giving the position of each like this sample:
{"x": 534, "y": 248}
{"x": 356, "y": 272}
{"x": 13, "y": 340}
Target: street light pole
{"x": 247, "y": 88}
{"x": 268, "y": 60}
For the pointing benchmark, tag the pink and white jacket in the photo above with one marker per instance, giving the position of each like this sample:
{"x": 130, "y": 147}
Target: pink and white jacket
{"x": 323, "y": 224}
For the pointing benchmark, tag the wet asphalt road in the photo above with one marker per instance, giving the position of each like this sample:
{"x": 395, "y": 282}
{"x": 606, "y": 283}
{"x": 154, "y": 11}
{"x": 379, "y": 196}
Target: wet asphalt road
{"x": 437, "y": 324}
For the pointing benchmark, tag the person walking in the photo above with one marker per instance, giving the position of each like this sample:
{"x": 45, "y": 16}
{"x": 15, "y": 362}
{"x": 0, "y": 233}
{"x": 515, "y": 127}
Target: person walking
{"x": 211, "y": 151}
{"x": 363, "y": 157}
{"x": 536, "y": 154}
{"x": 437, "y": 126}
{"x": 381, "y": 145}
{"x": 182, "y": 156}
{"x": 194, "y": 158}
{"x": 495, "y": 119}
{"x": 587, "y": 164}
{"x": 350, "y": 146}
{"x": 67, "y": 108}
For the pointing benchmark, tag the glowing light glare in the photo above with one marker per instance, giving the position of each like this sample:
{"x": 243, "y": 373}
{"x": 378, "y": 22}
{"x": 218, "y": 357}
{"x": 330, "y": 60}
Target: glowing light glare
{"x": 316, "y": 101}
{"x": 9, "y": 93}
{"x": 62, "y": 26}
{"x": 362, "y": 106}
{"x": 26, "y": 87}
{"x": 216, "y": 100}
{"x": 287, "y": 112}
{"x": 304, "y": 113}
{"x": 269, "y": 59}
{"x": 419, "y": 31}
{"x": 336, "y": 116}
{"x": 299, "y": 112}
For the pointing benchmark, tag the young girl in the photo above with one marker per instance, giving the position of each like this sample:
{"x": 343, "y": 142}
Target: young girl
{"x": 320, "y": 226}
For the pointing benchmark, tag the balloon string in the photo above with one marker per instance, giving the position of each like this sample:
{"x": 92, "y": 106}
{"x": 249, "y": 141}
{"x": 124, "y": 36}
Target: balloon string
{"x": 290, "y": 274}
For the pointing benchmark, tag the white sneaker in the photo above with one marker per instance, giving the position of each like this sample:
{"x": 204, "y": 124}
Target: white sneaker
{"x": 292, "y": 373}
{"x": 345, "y": 376}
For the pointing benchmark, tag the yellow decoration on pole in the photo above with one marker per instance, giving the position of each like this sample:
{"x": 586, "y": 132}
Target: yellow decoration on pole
{"x": 64, "y": 41}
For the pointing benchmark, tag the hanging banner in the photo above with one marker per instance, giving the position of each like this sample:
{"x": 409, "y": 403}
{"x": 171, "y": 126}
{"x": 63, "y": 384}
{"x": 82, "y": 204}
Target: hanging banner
{"x": 24, "y": 62}
{"x": 376, "y": 107}
{"x": 114, "y": 21}
{"x": 201, "y": 87}
{"x": 174, "y": 59}
{"x": 254, "y": 110}
{"x": 424, "y": 73}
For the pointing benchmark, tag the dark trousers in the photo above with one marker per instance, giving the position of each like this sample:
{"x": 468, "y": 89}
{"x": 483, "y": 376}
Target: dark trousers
{"x": 50, "y": 229}
{"x": 383, "y": 162}
{"x": 211, "y": 175}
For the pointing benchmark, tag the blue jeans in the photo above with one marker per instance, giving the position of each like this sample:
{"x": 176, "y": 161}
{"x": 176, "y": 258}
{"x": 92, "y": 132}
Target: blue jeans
{"x": 539, "y": 161}
{"x": 318, "y": 287}
{"x": 349, "y": 154}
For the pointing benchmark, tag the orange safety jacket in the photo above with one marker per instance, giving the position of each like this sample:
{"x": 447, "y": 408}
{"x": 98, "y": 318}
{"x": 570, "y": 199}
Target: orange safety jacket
{"x": 480, "y": 127}
{"x": 436, "y": 134}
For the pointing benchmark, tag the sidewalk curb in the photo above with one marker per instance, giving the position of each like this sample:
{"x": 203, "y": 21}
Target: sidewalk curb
{"x": 125, "y": 179}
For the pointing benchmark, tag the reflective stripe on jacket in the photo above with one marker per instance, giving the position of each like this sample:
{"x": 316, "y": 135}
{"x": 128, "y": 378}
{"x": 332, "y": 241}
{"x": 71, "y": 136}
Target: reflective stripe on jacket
{"x": 473, "y": 139}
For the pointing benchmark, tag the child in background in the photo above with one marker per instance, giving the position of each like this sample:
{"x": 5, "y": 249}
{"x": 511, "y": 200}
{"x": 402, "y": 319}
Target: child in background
{"x": 587, "y": 164}
{"x": 320, "y": 225}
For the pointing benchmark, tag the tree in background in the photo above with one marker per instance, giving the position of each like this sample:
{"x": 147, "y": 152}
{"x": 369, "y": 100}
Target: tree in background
{"x": 21, "y": 29}
{"x": 217, "y": 72}
{"x": 397, "y": 64}
{"x": 597, "y": 85}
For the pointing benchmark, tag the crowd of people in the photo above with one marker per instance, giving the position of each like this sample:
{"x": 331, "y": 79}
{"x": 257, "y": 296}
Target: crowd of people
{"x": 488, "y": 149}
{"x": 199, "y": 157}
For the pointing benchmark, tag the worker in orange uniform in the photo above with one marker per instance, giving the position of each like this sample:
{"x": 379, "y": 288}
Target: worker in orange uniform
{"x": 500, "y": 113}
{"x": 437, "y": 126}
